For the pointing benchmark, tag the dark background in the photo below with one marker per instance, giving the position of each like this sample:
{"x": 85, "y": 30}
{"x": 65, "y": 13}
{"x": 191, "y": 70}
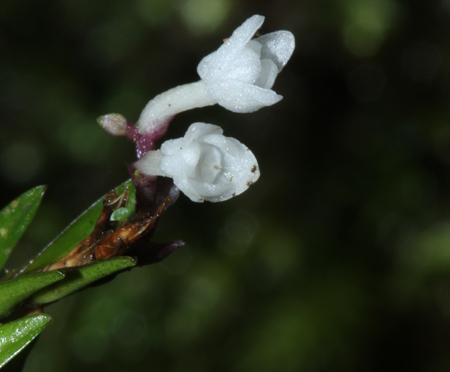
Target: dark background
{"x": 337, "y": 259}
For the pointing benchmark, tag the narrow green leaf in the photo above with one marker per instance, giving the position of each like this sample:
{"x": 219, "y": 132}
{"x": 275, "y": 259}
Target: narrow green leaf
{"x": 15, "y": 218}
{"x": 14, "y": 291}
{"x": 77, "y": 278}
{"x": 72, "y": 235}
{"x": 14, "y": 336}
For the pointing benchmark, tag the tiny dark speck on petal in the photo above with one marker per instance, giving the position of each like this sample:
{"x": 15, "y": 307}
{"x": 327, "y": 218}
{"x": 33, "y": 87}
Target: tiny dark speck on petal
{"x": 170, "y": 104}
{"x": 254, "y": 168}
{"x": 249, "y": 183}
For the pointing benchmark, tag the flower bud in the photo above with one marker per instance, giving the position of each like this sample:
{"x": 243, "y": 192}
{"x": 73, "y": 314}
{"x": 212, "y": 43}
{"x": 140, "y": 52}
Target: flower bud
{"x": 114, "y": 124}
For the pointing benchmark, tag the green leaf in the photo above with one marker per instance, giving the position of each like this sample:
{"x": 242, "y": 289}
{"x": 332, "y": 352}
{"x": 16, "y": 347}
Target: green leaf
{"x": 15, "y": 218}
{"x": 122, "y": 214}
{"x": 14, "y": 336}
{"x": 72, "y": 235}
{"x": 77, "y": 278}
{"x": 14, "y": 291}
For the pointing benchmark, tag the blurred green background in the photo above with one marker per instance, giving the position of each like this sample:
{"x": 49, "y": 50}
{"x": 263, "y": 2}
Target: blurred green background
{"x": 337, "y": 259}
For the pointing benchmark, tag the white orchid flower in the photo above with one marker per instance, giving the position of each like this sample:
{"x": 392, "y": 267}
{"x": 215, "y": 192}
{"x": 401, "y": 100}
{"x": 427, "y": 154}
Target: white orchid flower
{"x": 204, "y": 164}
{"x": 238, "y": 76}
{"x": 241, "y": 73}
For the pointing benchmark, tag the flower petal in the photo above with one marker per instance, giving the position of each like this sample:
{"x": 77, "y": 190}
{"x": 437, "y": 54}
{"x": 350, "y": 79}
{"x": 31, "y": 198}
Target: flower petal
{"x": 211, "y": 191}
{"x": 246, "y": 67}
{"x": 180, "y": 159}
{"x": 255, "y": 46}
{"x": 239, "y": 171}
{"x": 221, "y": 141}
{"x": 201, "y": 129}
{"x": 188, "y": 187}
{"x": 277, "y": 46}
{"x": 209, "y": 164}
{"x": 269, "y": 72}
{"x": 149, "y": 163}
{"x": 230, "y": 49}
{"x": 202, "y": 68}
{"x": 171, "y": 147}
{"x": 241, "y": 97}
{"x": 243, "y": 173}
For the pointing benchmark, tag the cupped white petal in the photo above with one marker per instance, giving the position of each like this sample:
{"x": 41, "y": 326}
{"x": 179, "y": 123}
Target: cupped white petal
{"x": 242, "y": 97}
{"x": 201, "y": 129}
{"x": 171, "y": 147}
{"x": 150, "y": 163}
{"x": 242, "y": 35}
{"x": 239, "y": 168}
{"x": 246, "y": 67}
{"x": 188, "y": 187}
{"x": 202, "y": 68}
{"x": 255, "y": 46}
{"x": 230, "y": 50}
{"x": 220, "y": 141}
{"x": 210, "y": 164}
{"x": 180, "y": 156}
{"x": 277, "y": 46}
{"x": 212, "y": 192}
{"x": 269, "y": 72}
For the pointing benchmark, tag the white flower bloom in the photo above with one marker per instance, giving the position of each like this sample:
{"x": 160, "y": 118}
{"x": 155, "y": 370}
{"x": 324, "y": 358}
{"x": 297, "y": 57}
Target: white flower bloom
{"x": 241, "y": 73}
{"x": 238, "y": 76}
{"x": 204, "y": 164}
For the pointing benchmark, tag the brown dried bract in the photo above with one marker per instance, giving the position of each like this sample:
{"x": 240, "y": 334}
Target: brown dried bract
{"x": 106, "y": 243}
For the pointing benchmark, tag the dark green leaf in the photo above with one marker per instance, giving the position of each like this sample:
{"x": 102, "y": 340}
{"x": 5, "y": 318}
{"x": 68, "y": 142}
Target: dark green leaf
{"x": 78, "y": 230}
{"x": 14, "y": 291}
{"x": 15, "y": 218}
{"x": 77, "y": 278}
{"x": 14, "y": 336}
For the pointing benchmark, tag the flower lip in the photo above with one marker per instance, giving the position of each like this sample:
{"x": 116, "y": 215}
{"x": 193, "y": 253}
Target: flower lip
{"x": 204, "y": 164}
